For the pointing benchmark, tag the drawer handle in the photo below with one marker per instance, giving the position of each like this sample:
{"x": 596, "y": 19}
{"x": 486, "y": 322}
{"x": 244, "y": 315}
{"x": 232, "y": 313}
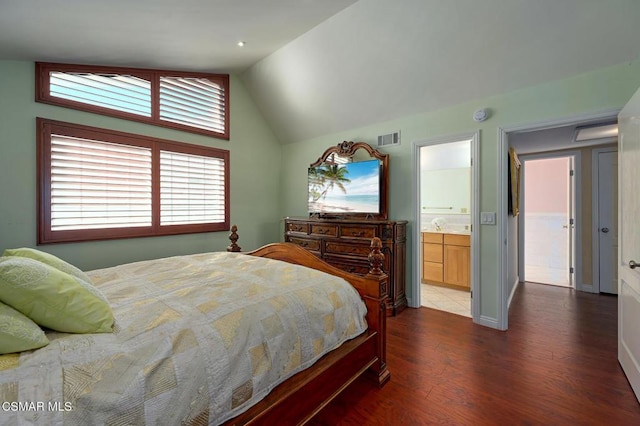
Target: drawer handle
{"x": 357, "y": 233}
{"x": 323, "y": 231}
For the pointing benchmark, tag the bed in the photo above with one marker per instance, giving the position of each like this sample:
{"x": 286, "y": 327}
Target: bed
{"x": 201, "y": 351}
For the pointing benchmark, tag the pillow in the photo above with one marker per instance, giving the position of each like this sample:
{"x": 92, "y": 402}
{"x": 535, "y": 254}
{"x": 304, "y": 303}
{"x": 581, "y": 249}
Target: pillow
{"x": 49, "y": 259}
{"x": 18, "y": 333}
{"x": 52, "y": 298}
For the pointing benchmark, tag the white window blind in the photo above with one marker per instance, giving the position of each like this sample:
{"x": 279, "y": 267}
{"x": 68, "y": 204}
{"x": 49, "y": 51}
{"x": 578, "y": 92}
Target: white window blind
{"x": 192, "y": 189}
{"x": 97, "y": 185}
{"x": 119, "y": 92}
{"x": 196, "y": 102}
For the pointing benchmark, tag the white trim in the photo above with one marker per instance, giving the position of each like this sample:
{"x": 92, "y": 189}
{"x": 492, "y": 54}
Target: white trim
{"x": 513, "y": 291}
{"x": 487, "y": 322}
{"x": 413, "y": 298}
{"x": 502, "y": 316}
{"x": 503, "y": 149}
{"x": 577, "y": 211}
{"x": 595, "y": 216}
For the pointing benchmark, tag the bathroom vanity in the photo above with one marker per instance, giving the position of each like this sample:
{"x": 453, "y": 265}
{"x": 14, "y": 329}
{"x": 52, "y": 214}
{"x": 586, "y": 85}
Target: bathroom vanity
{"x": 446, "y": 259}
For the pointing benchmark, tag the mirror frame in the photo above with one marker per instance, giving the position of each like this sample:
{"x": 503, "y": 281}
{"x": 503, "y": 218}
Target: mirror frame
{"x": 349, "y": 149}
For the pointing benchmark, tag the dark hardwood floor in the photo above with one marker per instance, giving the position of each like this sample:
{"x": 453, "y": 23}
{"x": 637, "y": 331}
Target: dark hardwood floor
{"x": 556, "y": 365}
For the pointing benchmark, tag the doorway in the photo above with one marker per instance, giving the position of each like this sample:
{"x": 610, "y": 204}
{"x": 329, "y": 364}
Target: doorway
{"x": 446, "y": 196}
{"x": 556, "y": 141}
{"x": 548, "y": 220}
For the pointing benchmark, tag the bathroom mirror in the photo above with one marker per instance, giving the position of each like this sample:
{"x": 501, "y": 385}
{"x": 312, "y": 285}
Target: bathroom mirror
{"x": 446, "y": 191}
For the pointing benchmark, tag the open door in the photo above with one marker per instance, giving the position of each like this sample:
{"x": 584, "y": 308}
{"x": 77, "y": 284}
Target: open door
{"x": 629, "y": 242}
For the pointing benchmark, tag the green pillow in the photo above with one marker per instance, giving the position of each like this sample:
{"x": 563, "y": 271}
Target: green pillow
{"x": 18, "y": 333}
{"x": 52, "y": 298}
{"x": 49, "y": 259}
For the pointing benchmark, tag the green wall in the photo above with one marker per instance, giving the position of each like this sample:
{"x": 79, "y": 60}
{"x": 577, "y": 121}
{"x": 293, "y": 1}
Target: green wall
{"x": 255, "y": 182}
{"x": 268, "y": 180}
{"x": 591, "y": 92}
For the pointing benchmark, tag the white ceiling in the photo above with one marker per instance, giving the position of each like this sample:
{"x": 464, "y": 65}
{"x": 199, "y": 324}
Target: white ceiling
{"x": 316, "y": 67}
{"x": 196, "y": 35}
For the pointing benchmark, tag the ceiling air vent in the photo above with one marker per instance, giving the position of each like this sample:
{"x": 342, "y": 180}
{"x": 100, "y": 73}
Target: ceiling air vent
{"x": 389, "y": 139}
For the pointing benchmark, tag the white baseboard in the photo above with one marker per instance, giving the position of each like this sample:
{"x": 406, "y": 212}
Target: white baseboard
{"x": 489, "y": 322}
{"x": 513, "y": 291}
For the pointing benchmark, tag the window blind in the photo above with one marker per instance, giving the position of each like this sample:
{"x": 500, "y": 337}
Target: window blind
{"x": 97, "y": 184}
{"x": 188, "y": 101}
{"x": 196, "y": 102}
{"x": 192, "y": 189}
{"x": 119, "y": 92}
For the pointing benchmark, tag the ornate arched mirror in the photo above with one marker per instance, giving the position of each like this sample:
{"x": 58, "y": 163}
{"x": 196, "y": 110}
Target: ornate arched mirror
{"x": 349, "y": 180}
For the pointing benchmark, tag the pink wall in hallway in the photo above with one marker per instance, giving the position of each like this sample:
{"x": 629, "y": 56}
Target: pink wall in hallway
{"x": 546, "y": 183}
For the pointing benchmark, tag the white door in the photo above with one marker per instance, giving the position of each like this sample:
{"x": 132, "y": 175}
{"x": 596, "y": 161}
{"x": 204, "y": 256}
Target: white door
{"x": 629, "y": 238}
{"x": 608, "y": 221}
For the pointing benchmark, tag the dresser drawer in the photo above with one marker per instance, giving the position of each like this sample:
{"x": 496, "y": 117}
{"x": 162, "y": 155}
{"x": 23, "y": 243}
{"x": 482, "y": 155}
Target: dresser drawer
{"x": 349, "y": 265}
{"x": 432, "y": 237}
{"x": 326, "y": 230}
{"x": 432, "y": 271}
{"x": 313, "y": 245}
{"x": 457, "y": 240}
{"x": 432, "y": 252}
{"x": 352, "y": 249}
{"x": 297, "y": 227}
{"x": 358, "y": 231}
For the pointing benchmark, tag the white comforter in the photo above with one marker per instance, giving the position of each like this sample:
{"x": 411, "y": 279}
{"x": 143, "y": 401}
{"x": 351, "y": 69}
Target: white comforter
{"x": 198, "y": 340}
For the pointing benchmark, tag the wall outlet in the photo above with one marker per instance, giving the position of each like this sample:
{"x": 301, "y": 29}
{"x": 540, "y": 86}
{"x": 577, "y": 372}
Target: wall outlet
{"x": 487, "y": 218}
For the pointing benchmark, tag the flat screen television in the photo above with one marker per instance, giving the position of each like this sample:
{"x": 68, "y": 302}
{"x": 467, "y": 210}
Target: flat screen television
{"x": 339, "y": 189}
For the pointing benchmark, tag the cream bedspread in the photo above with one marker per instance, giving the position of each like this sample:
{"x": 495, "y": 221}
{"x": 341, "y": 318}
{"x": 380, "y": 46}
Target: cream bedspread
{"x": 198, "y": 339}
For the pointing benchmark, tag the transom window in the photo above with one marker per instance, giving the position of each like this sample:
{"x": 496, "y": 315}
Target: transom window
{"x": 194, "y": 102}
{"x": 103, "y": 184}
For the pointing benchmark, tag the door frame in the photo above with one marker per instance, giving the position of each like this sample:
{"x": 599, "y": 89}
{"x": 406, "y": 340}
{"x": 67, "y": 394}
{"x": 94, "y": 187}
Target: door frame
{"x": 414, "y": 299}
{"x": 577, "y": 215}
{"x": 595, "y": 216}
{"x": 502, "y": 185}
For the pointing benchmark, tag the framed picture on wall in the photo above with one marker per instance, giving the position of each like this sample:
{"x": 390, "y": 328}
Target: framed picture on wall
{"x": 514, "y": 183}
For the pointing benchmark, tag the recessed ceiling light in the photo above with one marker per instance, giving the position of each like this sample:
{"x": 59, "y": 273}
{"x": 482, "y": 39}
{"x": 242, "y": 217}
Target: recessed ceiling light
{"x": 241, "y": 43}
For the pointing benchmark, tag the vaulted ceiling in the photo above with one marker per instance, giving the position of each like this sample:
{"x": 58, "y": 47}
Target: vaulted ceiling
{"x": 316, "y": 67}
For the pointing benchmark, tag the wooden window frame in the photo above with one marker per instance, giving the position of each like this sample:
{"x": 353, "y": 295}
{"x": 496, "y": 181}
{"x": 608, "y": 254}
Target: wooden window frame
{"x": 46, "y": 127}
{"x": 43, "y": 93}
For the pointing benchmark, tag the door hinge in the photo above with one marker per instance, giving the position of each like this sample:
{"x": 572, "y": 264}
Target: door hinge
{"x": 571, "y": 270}
{"x": 571, "y": 222}
{"x": 571, "y": 172}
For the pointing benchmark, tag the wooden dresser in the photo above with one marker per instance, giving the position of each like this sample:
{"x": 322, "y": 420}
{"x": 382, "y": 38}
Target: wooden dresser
{"x": 344, "y": 243}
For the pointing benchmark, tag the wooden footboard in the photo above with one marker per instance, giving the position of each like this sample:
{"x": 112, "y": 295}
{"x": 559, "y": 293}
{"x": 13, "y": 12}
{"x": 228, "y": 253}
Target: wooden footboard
{"x": 298, "y": 399}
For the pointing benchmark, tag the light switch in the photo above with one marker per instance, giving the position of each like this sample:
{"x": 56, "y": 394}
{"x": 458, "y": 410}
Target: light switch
{"x": 487, "y": 218}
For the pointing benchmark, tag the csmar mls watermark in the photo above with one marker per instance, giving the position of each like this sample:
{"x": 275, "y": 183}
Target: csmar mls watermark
{"x": 49, "y": 406}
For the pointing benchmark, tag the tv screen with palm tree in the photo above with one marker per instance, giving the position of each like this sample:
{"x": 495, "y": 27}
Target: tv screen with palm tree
{"x": 345, "y": 188}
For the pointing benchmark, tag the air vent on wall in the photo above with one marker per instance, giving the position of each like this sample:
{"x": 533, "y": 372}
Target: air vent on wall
{"x": 389, "y": 139}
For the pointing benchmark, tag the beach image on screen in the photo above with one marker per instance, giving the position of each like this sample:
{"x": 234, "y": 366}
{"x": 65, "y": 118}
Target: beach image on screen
{"x": 345, "y": 188}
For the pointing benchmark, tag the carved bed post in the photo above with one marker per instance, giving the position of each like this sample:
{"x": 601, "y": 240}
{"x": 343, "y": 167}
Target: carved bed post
{"x": 233, "y": 236}
{"x": 376, "y": 260}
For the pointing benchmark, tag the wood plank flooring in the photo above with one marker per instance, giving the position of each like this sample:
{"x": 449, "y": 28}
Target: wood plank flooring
{"x": 556, "y": 365}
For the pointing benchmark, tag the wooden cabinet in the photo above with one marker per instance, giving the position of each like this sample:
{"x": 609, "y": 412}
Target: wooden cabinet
{"x": 345, "y": 243}
{"x": 446, "y": 259}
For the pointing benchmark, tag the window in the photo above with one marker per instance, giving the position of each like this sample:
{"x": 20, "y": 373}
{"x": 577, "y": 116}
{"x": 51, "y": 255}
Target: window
{"x": 103, "y": 184}
{"x": 194, "y": 102}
